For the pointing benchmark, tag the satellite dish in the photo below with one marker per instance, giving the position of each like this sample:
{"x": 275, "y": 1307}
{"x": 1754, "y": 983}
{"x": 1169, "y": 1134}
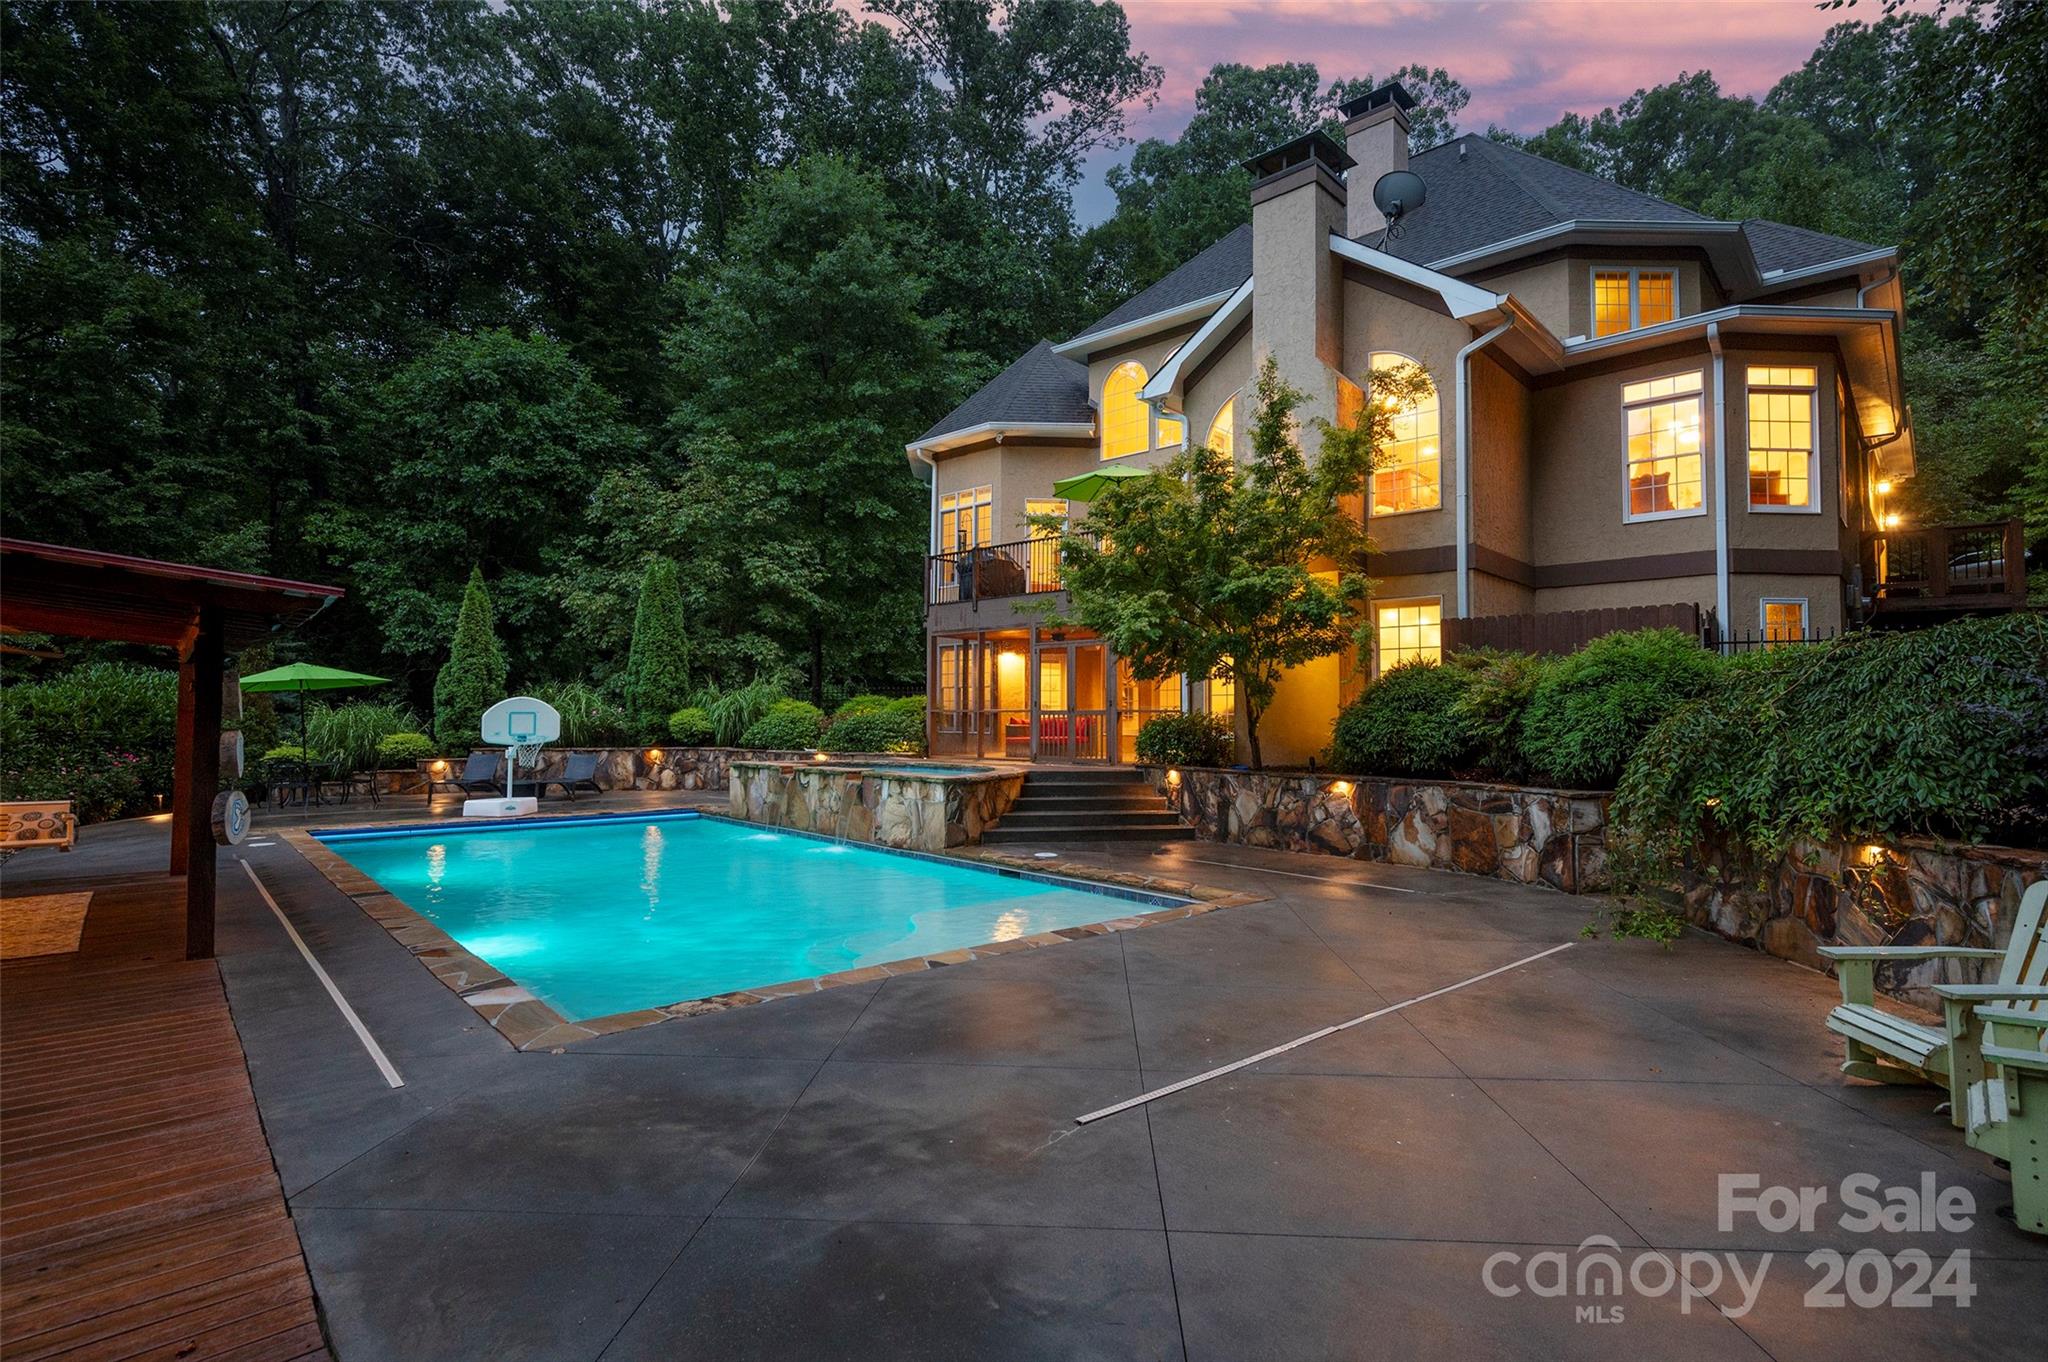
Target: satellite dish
{"x": 1398, "y": 192}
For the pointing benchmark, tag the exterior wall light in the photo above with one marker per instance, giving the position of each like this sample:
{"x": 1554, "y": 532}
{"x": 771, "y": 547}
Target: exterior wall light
{"x": 1873, "y": 854}
{"x": 819, "y": 756}
{"x": 654, "y": 756}
{"x": 1891, "y": 522}
{"x": 440, "y": 767}
{"x": 1884, "y": 487}
{"x": 1340, "y": 787}
{"x": 1173, "y": 775}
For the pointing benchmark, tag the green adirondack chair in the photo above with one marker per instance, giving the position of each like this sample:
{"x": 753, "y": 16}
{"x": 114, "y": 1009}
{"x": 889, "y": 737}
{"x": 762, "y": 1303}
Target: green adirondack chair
{"x": 2006, "y": 1112}
{"x": 1891, "y": 1049}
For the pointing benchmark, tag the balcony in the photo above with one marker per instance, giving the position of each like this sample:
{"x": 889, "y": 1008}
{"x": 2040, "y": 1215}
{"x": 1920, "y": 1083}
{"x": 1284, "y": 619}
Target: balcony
{"x": 1945, "y": 569}
{"x": 986, "y": 572}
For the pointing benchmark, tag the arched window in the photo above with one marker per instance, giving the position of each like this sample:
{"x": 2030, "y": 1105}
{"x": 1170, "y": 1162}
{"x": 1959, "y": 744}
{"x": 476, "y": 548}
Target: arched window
{"x": 1410, "y": 472}
{"x": 1223, "y": 430}
{"x": 1126, "y": 421}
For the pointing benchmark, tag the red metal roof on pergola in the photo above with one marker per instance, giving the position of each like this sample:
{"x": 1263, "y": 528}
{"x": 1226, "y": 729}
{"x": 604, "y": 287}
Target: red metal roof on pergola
{"x": 84, "y": 593}
{"x": 203, "y": 613}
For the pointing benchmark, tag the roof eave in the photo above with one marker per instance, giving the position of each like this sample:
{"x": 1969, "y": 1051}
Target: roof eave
{"x": 1464, "y": 301}
{"x": 1081, "y": 347}
{"x": 1001, "y": 430}
{"x": 1165, "y": 388}
{"x": 1882, "y": 255}
{"x": 1723, "y": 241}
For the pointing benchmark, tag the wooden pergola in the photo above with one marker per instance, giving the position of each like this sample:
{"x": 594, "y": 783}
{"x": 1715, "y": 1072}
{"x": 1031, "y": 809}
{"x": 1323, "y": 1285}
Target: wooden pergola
{"x": 201, "y": 613}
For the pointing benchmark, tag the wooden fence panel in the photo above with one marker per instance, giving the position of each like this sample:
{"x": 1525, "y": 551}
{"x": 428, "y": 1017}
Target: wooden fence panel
{"x": 1565, "y": 631}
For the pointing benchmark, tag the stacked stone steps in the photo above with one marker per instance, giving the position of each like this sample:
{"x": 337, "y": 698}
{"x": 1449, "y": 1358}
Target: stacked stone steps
{"x": 1109, "y": 805}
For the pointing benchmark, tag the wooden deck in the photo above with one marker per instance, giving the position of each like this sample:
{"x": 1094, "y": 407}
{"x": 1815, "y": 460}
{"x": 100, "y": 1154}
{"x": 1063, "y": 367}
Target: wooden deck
{"x": 140, "y": 1214}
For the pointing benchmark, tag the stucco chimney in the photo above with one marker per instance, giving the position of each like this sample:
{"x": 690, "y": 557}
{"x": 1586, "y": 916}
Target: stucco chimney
{"x": 1376, "y": 135}
{"x": 1297, "y": 306}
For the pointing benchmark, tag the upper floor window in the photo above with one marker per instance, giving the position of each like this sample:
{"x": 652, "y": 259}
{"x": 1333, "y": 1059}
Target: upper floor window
{"x": 1223, "y": 430}
{"x": 1129, "y": 425}
{"x": 966, "y": 518}
{"x": 1624, "y": 299}
{"x": 1409, "y": 476}
{"x": 1783, "y": 423}
{"x": 1665, "y": 471}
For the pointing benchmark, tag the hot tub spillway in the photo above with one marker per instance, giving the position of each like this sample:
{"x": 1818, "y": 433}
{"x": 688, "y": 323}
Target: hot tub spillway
{"x": 1111, "y": 805}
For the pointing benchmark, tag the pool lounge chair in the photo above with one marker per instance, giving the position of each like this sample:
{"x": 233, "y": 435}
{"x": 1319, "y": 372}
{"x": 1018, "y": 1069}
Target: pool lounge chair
{"x": 579, "y": 772}
{"x": 482, "y": 774}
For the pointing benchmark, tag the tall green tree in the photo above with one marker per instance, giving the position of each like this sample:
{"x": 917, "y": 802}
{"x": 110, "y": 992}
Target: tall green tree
{"x": 474, "y": 677}
{"x": 1205, "y": 568}
{"x": 805, "y": 361}
{"x": 658, "y": 667}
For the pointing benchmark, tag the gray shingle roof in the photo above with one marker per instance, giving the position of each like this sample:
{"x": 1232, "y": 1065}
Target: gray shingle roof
{"x": 1495, "y": 193}
{"x": 1040, "y": 387}
{"x": 1781, "y": 247}
{"x": 1219, "y": 268}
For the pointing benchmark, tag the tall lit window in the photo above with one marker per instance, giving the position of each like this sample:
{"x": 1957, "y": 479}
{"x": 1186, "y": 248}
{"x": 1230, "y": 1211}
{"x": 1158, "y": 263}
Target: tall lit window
{"x": 1126, "y": 421}
{"x": 1173, "y": 430}
{"x": 1783, "y": 621}
{"x": 1044, "y": 568}
{"x": 1782, "y": 409}
{"x": 1223, "y": 430}
{"x": 1624, "y": 299}
{"x": 966, "y": 518}
{"x": 1409, "y": 631}
{"x": 1665, "y": 470}
{"x": 1409, "y": 475}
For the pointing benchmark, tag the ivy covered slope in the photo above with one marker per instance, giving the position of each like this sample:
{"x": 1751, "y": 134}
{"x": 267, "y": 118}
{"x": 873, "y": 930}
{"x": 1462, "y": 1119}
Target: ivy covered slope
{"x": 1941, "y": 731}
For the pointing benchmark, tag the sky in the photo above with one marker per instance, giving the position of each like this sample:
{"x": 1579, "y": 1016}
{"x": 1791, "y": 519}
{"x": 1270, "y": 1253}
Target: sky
{"x": 1525, "y": 61}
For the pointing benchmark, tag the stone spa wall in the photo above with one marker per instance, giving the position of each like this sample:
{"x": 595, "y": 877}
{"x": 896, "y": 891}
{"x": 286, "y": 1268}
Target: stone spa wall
{"x": 917, "y": 812}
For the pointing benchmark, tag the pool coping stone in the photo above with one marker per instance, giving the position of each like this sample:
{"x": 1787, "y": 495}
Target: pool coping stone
{"x": 528, "y": 1023}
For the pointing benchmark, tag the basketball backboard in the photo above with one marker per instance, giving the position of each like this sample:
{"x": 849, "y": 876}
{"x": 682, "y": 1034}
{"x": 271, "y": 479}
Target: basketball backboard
{"x": 520, "y": 720}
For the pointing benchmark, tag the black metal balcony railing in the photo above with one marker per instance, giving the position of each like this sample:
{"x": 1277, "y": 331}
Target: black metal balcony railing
{"x": 1955, "y": 567}
{"x": 1021, "y": 567}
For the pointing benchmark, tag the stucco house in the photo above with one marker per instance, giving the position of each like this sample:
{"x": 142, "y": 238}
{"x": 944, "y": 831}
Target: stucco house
{"x": 1634, "y": 405}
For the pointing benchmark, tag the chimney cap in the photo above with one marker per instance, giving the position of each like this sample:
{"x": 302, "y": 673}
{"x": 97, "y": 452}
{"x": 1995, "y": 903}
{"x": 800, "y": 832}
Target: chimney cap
{"x": 1316, "y": 145}
{"x": 1393, "y": 92}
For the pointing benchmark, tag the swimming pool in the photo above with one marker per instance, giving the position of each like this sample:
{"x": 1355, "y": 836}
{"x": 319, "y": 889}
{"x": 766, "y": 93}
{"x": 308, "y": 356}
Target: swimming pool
{"x": 610, "y": 914}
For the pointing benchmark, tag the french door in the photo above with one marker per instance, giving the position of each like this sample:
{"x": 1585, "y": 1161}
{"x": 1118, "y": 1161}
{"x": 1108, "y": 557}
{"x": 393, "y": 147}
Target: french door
{"x": 1070, "y": 709}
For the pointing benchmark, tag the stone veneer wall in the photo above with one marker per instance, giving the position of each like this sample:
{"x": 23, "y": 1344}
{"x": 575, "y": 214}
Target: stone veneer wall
{"x": 627, "y": 768}
{"x": 1910, "y": 892}
{"x": 1528, "y": 836}
{"x": 916, "y": 812}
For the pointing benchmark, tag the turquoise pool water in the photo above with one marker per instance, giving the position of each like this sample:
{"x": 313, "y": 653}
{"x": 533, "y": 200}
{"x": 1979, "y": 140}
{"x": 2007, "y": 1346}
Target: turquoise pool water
{"x": 606, "y": 915}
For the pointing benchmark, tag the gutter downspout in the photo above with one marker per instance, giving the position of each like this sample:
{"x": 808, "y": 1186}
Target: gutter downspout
{"x": 1464, "y": 515}
{"x": 1720, "y": 478}
{"x": 932, "y": 539}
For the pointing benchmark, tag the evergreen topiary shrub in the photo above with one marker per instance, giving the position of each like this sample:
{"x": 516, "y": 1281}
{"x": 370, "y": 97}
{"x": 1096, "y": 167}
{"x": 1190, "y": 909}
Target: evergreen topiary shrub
{"x": 474, "y": 677}
{"x": 1589, "y": 710}
{"x": 1407, "y": 723}
{"x": 401, "y": 750}
{"x": 691, "y": 727}
{"x": 889, "y": 728}
{"x": 1492, "y": 707}
{"x": 1186, "y": 740}
{"x": 657, "y": 680}
{"x": 788, "y": 725}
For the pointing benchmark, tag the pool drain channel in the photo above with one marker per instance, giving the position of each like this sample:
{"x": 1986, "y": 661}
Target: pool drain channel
{"x": 1142, "y": 1098}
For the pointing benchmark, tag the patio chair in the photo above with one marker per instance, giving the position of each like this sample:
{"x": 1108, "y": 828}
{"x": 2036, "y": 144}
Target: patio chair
{"x": 2006, "y": 1111}
{"x": 482, "y": 774}
{"x": 1891, "y": 1049}
{"x": 34, "y": 824}
{"x": 579, "y": 772}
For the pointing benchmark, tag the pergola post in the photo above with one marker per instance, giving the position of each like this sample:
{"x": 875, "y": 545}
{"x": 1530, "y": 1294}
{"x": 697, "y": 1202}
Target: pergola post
{"x": 181, "y": 805}
{"x": 198, "y": 776}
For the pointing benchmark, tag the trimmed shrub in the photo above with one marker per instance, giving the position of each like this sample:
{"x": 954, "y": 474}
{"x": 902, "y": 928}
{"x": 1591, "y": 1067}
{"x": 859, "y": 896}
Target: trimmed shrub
{"x": 1589, "y": 711}
{"x": 1407, "y": 723}
{"x": 1941, "y": 731}
{"x": 590, "y": 718}
{"x": 102, "y": 736}
{"x": 402, "y": 750}
{"x": 287, "y": 759}
{"x": 1186, "y": 740}
{"x": 473, "y": 678}
{"x": 657, "y": 677}
{"x": 352, "y": 733}
{"x": 691, "y": 727}
{"x": 889, "y": 728}
{"x": 1492, "y": 707}
{"x": 862, "y": 704}
{"x": 788, "y": 724}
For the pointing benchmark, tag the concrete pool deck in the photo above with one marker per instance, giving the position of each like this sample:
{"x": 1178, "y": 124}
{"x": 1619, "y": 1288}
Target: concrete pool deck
{"x": 891, "y": 1170}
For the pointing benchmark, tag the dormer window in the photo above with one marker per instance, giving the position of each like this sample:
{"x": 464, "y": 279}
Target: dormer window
{"x": 1129, "y": 424}
{"x": 1625, "y": 299}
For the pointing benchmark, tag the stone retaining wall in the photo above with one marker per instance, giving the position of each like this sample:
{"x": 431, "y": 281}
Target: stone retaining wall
{"x": 892, "y": 809}
{"x": 1510, "y": 832}
{"x": 630, "y": 768}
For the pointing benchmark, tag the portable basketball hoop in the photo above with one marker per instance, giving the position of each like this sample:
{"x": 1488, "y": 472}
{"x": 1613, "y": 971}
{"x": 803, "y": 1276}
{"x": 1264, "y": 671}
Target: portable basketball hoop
{"x": 522, "y": 726}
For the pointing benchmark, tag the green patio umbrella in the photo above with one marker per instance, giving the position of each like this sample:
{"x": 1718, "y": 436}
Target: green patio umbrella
{"x": 302, "y": 677}
{"x": 1092, "y": 484}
